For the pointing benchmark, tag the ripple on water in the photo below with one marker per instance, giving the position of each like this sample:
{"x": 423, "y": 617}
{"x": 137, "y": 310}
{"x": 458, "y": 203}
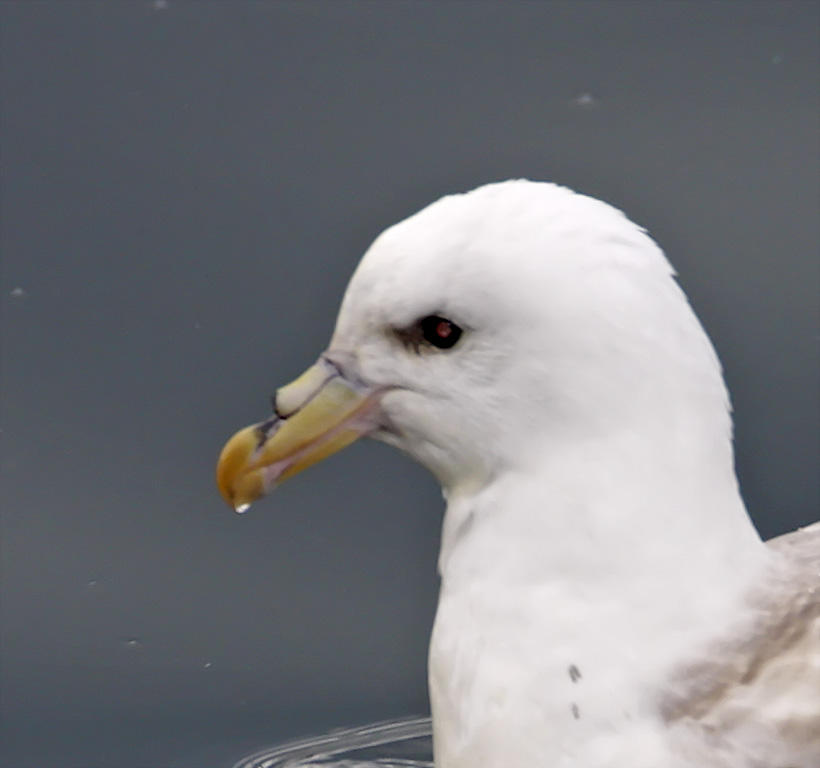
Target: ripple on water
{"x": 405, "y": 743}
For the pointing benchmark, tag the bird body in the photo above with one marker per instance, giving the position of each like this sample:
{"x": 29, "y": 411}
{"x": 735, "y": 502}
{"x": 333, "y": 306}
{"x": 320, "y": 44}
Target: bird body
{"x": 605, "y": 599}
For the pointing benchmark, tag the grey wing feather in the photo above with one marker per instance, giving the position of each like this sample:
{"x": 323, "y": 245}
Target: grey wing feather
{"x": 753, "y": 700}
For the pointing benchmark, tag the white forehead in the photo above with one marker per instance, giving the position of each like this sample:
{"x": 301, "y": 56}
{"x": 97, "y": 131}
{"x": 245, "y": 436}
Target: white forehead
{"x": 498, "y": 246}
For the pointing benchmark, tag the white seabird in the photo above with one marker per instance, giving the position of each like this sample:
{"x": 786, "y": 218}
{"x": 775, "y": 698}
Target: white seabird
{"x": 605, "y": 600}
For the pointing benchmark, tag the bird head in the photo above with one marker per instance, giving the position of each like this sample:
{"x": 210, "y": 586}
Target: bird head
{"x": 480, "y": 328}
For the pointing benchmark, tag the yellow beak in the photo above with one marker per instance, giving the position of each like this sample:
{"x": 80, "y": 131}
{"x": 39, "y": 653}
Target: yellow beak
{"x": 316, "y": 415}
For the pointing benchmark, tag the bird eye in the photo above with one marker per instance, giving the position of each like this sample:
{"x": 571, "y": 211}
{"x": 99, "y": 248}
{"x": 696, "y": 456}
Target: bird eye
{"x": 440, "y": 331}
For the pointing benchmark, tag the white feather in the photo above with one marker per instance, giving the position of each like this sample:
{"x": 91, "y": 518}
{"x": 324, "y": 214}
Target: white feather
{"x": 605, "y": 599}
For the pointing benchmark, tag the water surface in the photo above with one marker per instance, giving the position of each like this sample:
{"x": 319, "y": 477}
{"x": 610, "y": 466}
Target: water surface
{"x": 405, "y": 743}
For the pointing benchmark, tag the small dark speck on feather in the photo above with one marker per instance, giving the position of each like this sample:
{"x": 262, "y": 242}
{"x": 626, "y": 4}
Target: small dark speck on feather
{"x": 576, "y": 713}
{"x": 574, "y": 673}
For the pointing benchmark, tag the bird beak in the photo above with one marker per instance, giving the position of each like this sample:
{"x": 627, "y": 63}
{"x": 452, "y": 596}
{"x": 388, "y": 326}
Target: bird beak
{"x": 316, "y": 415}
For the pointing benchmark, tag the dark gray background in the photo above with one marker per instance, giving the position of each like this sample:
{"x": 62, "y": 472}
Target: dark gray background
{"x": 186, "y": 188}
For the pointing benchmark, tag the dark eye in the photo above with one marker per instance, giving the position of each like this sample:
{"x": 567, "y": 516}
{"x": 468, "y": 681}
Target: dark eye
{"x": 440, "y": 331}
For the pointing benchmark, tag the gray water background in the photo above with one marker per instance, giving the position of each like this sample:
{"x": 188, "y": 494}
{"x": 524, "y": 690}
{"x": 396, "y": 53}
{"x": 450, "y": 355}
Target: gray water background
{"x": 186, "y": 188}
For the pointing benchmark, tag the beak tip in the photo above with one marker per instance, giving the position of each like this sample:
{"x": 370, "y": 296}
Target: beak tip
{"x": 235, "y": 476}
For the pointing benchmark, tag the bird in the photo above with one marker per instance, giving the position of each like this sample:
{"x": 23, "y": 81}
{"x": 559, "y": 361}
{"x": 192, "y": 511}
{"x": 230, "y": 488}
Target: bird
{"x": 605, "y": 599}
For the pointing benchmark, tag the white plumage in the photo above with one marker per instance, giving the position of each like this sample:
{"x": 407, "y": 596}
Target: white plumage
{"x": 605, "y": 599}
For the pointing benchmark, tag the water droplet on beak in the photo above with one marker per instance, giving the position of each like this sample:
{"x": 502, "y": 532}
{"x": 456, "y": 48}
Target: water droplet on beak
{"x": 242, "y": 508}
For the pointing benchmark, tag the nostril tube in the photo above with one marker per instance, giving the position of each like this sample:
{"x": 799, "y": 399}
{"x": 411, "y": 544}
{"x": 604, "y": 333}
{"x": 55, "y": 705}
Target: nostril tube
{"x": 294, "y": 396}
{"x": 275, "y": 408}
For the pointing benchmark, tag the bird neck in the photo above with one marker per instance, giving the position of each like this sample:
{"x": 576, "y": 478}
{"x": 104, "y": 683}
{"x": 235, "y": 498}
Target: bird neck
{"x": 654, "y": 529}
